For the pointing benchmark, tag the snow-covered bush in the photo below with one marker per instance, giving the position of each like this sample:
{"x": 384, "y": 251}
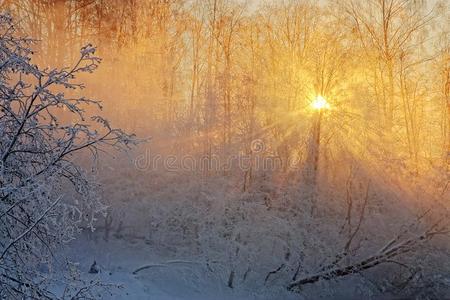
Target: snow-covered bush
{"x": 45, "y": 129}
{"x": 365, "y": 239}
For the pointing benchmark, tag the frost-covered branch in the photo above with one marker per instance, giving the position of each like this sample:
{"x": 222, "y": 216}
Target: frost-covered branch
{"x": 45, "y": 128}
{"x": 386, "y": 254}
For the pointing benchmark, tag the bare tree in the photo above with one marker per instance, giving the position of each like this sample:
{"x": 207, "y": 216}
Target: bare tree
{"x": 45, "y": 193}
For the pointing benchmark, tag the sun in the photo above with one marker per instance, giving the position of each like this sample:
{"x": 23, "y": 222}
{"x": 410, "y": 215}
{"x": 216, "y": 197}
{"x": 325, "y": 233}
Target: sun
{"x": 320, "y": 103}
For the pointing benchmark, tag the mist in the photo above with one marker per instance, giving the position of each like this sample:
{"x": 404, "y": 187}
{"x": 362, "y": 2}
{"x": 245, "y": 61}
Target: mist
{"x": 267, "y": 149}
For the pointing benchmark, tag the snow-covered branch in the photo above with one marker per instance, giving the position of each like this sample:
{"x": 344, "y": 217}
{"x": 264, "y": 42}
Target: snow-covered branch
{"x": 45, "y": 128}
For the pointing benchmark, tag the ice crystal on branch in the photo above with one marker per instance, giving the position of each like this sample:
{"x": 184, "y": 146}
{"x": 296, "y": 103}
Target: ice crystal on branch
{"x": 45, "y": 195}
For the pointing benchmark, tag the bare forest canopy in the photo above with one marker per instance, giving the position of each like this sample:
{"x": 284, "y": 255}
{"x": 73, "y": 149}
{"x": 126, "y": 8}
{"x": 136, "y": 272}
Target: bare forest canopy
{"x": 211, "y": 77}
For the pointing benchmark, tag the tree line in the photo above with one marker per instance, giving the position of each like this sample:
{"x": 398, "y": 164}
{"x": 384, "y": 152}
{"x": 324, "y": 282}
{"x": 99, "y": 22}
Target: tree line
{"x": 221, "y": 73}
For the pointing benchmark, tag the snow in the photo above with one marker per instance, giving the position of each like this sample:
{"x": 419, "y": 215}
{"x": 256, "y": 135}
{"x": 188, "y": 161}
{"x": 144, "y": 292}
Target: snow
{"x": 169, "y": 278}
{"x": 169, "y": 238}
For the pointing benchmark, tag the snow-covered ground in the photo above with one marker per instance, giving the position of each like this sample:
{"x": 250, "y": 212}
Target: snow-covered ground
{"x": 166, "y": 278}
{"x": 188, "y": 240}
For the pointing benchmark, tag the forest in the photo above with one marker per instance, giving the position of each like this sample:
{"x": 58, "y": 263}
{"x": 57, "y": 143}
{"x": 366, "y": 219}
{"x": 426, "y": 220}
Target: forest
{"x": 224, "y": 149}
